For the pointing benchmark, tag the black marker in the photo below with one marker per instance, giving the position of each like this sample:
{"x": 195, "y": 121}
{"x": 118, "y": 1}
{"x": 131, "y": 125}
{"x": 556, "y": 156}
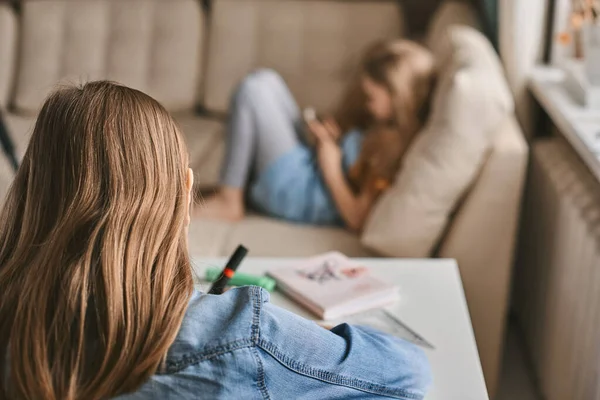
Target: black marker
{"x": 229, "y": 270}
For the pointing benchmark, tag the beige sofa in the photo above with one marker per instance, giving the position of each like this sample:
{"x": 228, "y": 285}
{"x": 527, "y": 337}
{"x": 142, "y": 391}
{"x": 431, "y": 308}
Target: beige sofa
{"x": 190, "y": 60}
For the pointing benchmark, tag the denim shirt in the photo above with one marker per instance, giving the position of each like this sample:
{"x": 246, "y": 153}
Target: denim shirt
{"x": 292, "y": 187}
{"x": 239, "y": 346}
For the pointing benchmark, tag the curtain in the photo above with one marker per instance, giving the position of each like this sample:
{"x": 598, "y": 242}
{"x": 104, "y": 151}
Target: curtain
{"x": 419, "y": 12}
{"x": 489, "y": 11}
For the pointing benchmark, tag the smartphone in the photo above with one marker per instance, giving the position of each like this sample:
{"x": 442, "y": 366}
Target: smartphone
{"x": 310, "y": 114}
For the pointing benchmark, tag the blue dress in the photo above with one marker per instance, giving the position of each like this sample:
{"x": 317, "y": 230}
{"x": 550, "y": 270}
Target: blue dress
{"x": 292, "y": 187}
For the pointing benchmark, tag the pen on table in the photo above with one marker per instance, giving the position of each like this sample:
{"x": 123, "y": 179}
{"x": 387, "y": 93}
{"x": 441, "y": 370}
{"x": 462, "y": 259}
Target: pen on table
{"x": 420, "y": 338}
{"x": 229, "y": 270}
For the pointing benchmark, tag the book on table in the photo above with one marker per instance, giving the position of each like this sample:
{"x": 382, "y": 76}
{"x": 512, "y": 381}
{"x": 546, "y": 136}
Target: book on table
{"x": 333, "y": 286}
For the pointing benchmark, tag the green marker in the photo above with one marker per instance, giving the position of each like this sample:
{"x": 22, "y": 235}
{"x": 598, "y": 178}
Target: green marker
{"x": 240, "y": 279}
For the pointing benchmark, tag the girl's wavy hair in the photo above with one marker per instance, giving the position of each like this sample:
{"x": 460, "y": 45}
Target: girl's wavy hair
{"x": 94, "y": 272}
{"x": 406, "y": 70}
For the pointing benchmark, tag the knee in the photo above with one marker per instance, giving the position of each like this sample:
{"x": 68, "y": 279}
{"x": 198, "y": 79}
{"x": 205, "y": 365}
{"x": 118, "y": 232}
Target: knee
{"x": 258, "y": 82}
{"x": 267, "y": 77}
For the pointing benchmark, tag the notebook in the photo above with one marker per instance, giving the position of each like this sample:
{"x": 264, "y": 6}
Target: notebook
{"x": 333, "y": 286}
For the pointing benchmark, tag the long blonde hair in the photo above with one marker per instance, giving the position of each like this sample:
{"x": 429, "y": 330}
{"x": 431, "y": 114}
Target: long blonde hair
{"x": 94, "y": 272}
{"x": 407, "y": 71}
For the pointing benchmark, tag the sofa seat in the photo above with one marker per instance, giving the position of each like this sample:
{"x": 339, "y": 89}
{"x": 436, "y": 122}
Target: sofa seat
{"x": 205, "y": 142}
{"x": 268, "y": 237}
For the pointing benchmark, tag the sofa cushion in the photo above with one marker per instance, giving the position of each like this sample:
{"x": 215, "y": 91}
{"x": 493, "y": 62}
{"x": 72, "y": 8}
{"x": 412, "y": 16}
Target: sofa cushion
{"x": 268, "y": 237}
{"x": 151, "y": 45}
{"x": 206, "y": 146}
{"x": 470, "y": 101}
{"x": 314, "y": 45}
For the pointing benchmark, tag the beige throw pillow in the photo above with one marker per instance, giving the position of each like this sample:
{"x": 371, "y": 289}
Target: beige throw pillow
{"x": 470, "y": 101}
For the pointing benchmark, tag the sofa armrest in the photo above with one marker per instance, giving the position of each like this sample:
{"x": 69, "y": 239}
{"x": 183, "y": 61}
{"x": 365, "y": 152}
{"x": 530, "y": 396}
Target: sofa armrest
{"x": 482, "y": 239}
{"x": 8, "y": 51}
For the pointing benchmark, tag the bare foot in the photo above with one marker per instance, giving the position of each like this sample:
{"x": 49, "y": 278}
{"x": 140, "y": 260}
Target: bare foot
{"x": 227, "y": 204}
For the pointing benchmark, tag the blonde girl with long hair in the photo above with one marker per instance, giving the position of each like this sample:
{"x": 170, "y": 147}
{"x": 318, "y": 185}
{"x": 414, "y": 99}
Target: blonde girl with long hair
{"x": 358, "y": 150}
{"x": 96, "y": 291}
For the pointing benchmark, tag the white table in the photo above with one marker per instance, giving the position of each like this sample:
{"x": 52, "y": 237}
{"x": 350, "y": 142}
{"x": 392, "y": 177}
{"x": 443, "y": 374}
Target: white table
{"x": 432, "y": 303}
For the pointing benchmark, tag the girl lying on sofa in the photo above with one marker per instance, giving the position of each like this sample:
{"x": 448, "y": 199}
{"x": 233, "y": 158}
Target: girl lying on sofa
{"x": 357, "y": 152}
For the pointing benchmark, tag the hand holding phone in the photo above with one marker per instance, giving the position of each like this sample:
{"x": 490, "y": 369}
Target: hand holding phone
{"x": 316, "y": 123}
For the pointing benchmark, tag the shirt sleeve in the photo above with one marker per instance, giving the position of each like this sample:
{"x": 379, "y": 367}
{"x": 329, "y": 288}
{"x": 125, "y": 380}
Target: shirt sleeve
{"x": 346, "y": 361}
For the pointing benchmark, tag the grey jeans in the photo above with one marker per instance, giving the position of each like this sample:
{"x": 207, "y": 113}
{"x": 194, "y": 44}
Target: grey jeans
{"x": 264, "y": 124}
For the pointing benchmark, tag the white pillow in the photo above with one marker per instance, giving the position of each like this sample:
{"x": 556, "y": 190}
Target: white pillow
{"x": 470, "y": 101}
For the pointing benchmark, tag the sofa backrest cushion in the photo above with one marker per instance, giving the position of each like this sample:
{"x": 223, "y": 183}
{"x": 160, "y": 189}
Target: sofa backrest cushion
{"x": 314, "y": 45}
{"x": 151, "y": 45}
{"x": 470, "y": 101}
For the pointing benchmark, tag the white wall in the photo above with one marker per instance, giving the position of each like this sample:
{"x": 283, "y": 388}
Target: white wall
{"x": 522, "y": 26}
